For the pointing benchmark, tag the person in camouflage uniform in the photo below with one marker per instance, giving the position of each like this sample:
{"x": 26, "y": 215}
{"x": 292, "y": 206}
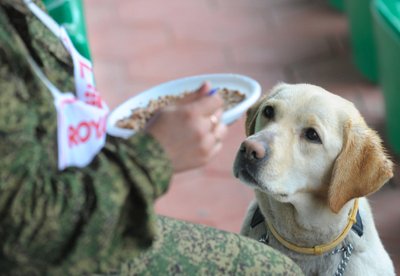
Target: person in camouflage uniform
{"x": 99, "y": 219}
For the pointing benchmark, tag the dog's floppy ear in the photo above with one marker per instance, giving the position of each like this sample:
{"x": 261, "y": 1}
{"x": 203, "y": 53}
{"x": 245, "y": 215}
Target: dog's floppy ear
{"x": 253, "y": 111}
{"x": 361, "y": 168}
{"x": 251, "y": 116}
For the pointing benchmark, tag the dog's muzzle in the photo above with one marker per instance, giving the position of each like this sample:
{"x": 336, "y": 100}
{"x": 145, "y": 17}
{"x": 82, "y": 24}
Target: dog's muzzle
{"x": 250, "y": 156}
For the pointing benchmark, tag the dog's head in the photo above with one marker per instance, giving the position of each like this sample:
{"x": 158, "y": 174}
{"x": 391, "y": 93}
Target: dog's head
{"x": 303, "y": 139}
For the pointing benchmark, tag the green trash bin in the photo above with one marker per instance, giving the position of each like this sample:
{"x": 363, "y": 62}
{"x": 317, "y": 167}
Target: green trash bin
{"x": 386, "y": 15}
{"x": 337, "y": 4}
{"x": 362, "y": 38}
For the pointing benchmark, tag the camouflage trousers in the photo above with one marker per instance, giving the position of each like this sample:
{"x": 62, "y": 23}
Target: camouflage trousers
{"x": 184, "y": 248}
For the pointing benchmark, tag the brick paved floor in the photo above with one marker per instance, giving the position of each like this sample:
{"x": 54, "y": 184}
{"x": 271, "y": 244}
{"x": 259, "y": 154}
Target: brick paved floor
{"x": 140, "y": 43}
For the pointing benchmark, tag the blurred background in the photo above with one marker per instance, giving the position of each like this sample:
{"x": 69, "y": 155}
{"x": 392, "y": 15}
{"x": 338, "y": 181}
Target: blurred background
{"x": 338, "y": 45}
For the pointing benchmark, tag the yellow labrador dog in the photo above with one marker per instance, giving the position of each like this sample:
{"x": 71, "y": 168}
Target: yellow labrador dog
{"x": 311, "y": 160}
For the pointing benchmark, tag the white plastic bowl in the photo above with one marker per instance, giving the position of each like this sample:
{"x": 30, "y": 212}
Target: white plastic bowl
{"x": 245, "y": 85}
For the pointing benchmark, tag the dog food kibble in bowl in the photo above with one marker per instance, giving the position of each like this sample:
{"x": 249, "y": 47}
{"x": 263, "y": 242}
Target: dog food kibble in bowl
{"x": 140, "y": 116}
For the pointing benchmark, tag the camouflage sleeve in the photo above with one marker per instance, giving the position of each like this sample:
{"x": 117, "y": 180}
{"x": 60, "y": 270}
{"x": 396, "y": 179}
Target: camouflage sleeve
{"x": 49, "y": 218}
{"x": 189, "y": 249}
{"x": 183, "y": 248}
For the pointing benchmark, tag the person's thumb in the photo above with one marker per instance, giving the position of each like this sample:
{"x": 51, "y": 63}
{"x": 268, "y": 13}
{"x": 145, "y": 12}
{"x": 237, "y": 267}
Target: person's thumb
{"x": 196, "y": 95}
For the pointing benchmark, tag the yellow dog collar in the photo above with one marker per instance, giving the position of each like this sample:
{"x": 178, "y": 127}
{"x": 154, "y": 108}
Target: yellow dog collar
{"x": 318, "y": 249}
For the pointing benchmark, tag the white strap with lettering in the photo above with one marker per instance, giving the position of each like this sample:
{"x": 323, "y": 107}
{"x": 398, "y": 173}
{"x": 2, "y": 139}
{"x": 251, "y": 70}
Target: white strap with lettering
{"x": 82, "y": 119}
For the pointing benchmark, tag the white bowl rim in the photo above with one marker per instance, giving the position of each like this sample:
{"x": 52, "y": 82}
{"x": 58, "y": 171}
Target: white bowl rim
{"x": 227, "y": 80}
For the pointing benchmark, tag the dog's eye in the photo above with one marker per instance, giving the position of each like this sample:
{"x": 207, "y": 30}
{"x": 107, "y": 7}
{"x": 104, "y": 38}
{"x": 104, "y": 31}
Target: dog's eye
{"x": 269, "y": 112}
{"x": 312, "y": 136}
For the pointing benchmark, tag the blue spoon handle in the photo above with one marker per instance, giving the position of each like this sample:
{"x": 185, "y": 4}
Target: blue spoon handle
{"x": 213, "y": 91}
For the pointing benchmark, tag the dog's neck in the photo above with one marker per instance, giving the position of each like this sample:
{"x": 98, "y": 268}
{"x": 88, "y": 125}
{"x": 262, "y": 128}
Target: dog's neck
{"x": 306, "y": 220}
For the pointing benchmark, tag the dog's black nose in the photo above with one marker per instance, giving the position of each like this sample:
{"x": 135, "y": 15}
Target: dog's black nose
{"x": 254, "y": 150}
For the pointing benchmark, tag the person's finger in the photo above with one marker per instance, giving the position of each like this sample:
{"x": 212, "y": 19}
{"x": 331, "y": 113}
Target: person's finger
{"x": 203, "y": 89}
{"x": 219, "y": 114}
{"x": 199, "y": 93}
{"x": 218, "y": 136}
{"x": 219, "y": 133}
{"x": 213, "y": 140}
{"x": 217, "y": 147}
{"x": 215, "y": 119}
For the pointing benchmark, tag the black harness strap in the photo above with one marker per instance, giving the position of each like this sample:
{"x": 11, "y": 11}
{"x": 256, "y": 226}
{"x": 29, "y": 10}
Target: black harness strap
{"x": 358, "y": 227}
{"x": 257, "y": 218}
